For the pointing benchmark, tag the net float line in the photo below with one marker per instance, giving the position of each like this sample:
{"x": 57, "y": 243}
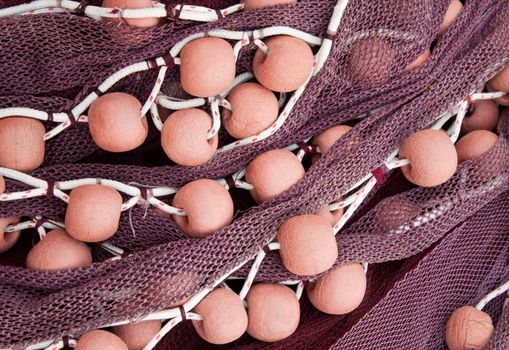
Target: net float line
{"x": 74, "y": 116}
{"x": 66, "y": 119}
{"x": 57, "y": 188}
{"x": 158, "y": 10}
{"x": 353, "y": 201}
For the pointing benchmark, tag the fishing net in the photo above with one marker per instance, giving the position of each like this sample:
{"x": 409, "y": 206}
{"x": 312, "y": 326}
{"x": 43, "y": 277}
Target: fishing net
{"x": 430, "y": 250}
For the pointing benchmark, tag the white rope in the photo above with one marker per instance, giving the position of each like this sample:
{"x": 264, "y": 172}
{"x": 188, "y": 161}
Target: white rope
{"x": 492, "y": 295}
{"x": 183, "y": 12}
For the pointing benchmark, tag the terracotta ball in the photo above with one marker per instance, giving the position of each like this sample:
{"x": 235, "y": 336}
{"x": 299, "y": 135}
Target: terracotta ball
{"x": 451, "y": 15}
{"x": 474, "y": 144}
{"x": 209, "y": 207}
{"x": 184, "y": 137}
{"x": 8, "y": 239}
{"x": 468, "y": 328}
{"x": 207, "y": 66}
{"x": 132, "y": 4}
{"x": 22, "y": 144}
{"x": 258, "y": 4}
{"x": 393, "y": 212}
{"x": 100, "y": 340}
{"x": 115, "y": 122}
{"x": 93, "y": 213}
{"x": 370, "y": 61}
{"x": 169, "y": 290}
{"x": 308, "y": 245}
{"x": 58, "y": 251}
{"x": 2, "y": 184}
{"x": 137, "y": 335}
{"x": 326, "y": 139}
{"x": 224, "y": 317}
{"x": 484, "y": 117}
{"x": 272, "y": 173}
{"x": 286, "y": 66}
{"x": 273, "y": 312}
{"x": 339, "y": 291}
{"x": 500, "y": 82}
{"x": 419, "y": 60}
{"x": 254, "y": 109}
{"x": 331, "y": 216}
{"x": 433, "y": 158}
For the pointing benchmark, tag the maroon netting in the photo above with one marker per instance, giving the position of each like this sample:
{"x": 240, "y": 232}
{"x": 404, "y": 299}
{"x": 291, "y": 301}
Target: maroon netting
{"x": 408, "y": 302}
{"x": 61, "y": 58}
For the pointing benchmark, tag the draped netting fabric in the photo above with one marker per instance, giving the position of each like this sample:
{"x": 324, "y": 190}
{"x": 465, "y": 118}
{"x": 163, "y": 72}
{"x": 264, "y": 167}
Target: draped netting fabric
{"x": 430, "y": 249}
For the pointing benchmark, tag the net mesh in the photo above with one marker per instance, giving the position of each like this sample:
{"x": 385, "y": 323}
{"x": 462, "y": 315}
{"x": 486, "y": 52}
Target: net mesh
{"x": 408, "y": 234}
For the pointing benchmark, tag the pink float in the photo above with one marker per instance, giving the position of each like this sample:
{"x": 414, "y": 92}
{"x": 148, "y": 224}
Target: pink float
{"x": 22, "y": 143}
{"x": 468, "y": 328}
{"x": 370, "y": 61}
{"x": 326, "y": 139}
{"x": 93, "y": 213}
{"x": 419, "y": 60}
{"x": 100, "y": 340}
{"x": 137, "y": 335}
{"x": 273, "y": 312}
{"x": 474, "y": 144}
{"x": 207, "y": 66}
{"x": 286, "y": 65}
{"x": 451, "y": 15}
{"x": 58, "y": 251}
{"x": 433, "y": 158}
{"x": 254, "y": 109}
{"x": 208, "y": 205}
{"x": 500, "y": 82}
{"x": 308, "y": 245}
{"x": 184, "y": 137}
{"x": 484, "y": 117}
{"x": 115, "y": 122}
{"x": 224, "y": 317}
{"x": 339, "y": 291}
{"x": 8, "y": 239}
{"x": 272, "y": 173}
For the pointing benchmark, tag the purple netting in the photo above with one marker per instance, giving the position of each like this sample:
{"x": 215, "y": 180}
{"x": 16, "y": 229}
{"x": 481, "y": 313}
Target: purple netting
{"x": 408, "y": 302}
{"x": 63, "y": 57}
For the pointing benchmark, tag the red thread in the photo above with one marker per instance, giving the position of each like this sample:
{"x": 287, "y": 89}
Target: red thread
{"x": 183, "y": 313}
{"x": 71, "y": 118}
{"x": 169, "y": 61}
{"x": 329, "y": 36}
{"x": 230, "y": 182}
{"x": 219, "y": 14}
{"x": 307, "y": 150}
{"x": 65, "y": 340}
{"x": 98, "y": 92}
{"x": 379, "y": 175}
{"x": 40, "y": 222}
{"x": 50, "y": 192}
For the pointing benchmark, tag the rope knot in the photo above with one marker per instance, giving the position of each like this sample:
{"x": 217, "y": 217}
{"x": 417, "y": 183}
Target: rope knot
{"x": 145, "y": 194}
